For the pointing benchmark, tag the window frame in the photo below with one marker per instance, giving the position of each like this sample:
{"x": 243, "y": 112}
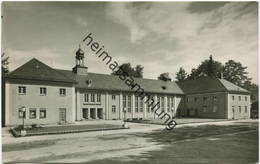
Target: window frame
{"x": 32, "y": 110}
{"x": 23, "y": 114}
{"x": 113, "y": 108}
{"x": 43, "y": 110}
{"x": 92, "y": 97}
{"x": 21, "y": 90}
{"x": 98, "y": 98}
{"x": 62, "y": 91}
{"x": 44, "y": 89}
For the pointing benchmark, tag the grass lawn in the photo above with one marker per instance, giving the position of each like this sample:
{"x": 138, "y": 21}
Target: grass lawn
{"x": 202, "y": 144}
{"x": 65, "y": 129}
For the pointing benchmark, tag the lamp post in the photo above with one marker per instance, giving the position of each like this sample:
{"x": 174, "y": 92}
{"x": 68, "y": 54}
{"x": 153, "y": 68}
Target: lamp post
{"x": 124, "y": 124}
{"x": 23, "y": 110}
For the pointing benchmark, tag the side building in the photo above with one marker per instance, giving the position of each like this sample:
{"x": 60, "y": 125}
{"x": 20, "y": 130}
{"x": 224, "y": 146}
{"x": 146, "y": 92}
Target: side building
{"x": 214, "y": 98}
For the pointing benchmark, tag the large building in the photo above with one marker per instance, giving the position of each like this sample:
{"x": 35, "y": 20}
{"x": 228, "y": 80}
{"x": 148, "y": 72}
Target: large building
{"x": 52, "y": 95}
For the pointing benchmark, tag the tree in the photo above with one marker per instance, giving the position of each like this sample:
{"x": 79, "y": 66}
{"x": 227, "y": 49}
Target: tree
{"x": 181, "y": 75}
{"x": 5, "y": 62}
{"x": 164, "y": 77}
{"x": 253, "y": 88}
{"x": 236, "y": 73}
{"x": 208, "y": 68}
{"x": 126, "y": 67}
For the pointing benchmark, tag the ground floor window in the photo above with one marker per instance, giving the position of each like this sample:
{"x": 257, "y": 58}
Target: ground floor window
{"x": 129, "y": 104}
{"x": 21, "y": 114}
{"x": 245, "y": 109}
{"x": 32, "y": 113}
{"x": 43, "y": 113}
{"x": 239, "y": 108}
{"x": 113, "y": 108}
{"x": 204, "y": 108}
{"x": 215, "y": 108}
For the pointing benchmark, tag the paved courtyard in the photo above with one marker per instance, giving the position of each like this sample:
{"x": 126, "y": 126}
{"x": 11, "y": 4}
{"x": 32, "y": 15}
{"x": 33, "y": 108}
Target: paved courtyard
{"x": 214, "y": 142}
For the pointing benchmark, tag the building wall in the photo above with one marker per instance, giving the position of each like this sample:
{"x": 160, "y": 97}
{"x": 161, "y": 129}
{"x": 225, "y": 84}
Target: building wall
{"x": 52, "y": 101}
{"x": 208, "y": 105}
{"x": 235, "y": 103}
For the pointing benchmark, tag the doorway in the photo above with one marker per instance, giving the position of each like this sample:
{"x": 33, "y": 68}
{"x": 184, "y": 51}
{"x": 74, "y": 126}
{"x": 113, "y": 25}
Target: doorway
{"x": 92, "y": 113}
{"x": 62, "y": 115}
{"x": 85, "y": 113}
{"x": 100, "y": 113}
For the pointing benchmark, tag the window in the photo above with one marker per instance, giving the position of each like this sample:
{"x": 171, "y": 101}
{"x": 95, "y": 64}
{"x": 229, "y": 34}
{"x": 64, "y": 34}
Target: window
{"x": 22, "y": 90}
{"x": 239, "y": 108}
{"x": 98, "y": 98}
{"x": 43, "y": 91}
{"x": 215, "y": 108}
{"x": 188, "y": 99}
{"x": 32, "y": 113}
{"x": 195, "y": 99}
{"x": 168, "y": 104}
{"x": 204, "y": 108}
{"x": 239, "y": 98}
{"x": 172, "y": 102}
{"x": 245, "y": 109}
{"x": 113, "y": 108}
{"x": 124, "y": 101}
{"x": 141, "y": 104}
{"x": 245, "y": 98}
{"x": 136, "y": 104}
{"x": 92, "y": 97}
{"x": 86, "y": 98}
{"x": 113, "y": 97}
{"x": 43, "y": 113}
{"x": 21, "y": 114}
{"x": 233, "y": 97}
{"x": 162, "y": 103}
{"x": 62, "y": 91}
{"x": 129, "y": 102}
{"x": 205, "y": 98}
{"x": 233, "y": 108}
{"x": 215, "y": 98}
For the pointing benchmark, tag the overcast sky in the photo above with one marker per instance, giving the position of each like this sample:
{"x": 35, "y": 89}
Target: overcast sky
{"x": 161, "y": 36}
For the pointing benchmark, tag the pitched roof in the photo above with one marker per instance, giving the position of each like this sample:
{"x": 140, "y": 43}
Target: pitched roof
{"x": 112, "y": 82}
{"x": 36, "y": 70}
{"x": 209, "y": 85}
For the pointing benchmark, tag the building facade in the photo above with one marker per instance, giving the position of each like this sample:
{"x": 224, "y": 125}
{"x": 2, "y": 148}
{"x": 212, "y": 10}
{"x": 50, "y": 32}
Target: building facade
{"x": 61, "y": 96}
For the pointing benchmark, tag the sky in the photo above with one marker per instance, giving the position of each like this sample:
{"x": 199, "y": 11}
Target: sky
{"x": 160, "y": 36}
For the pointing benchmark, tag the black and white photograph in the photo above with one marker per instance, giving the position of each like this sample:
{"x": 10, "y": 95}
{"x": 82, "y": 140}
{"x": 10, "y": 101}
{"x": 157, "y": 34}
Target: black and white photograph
{"x": 130, "y": 82}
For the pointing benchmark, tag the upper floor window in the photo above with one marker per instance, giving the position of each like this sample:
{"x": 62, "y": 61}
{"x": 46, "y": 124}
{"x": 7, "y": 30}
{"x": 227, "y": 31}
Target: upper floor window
{"x": 245, "y": 109}
{"x": 233, "y": 97}
{"x": 43, "y": 91}
{"x": 215, "y": 98}
{"x": 195, "y": 99}
{"x": 43, "y": 113}
{"x": 168, "y": 104}
{"x": 98, "y": 98}
{"x": 113, "y": 108}
{"x": 86, "y": 98}
{"x": 32, "y": 113}
{"x": 239, "y": 108}
{"x": 62, "y": 91}
{"x": 239, "y": 98}
{"x": 113, "y": 97}
{"x": 205, "y": 98}
{"x": 245, "y": 98}
{"x": 22, "y": 90}
{"x": 92, "y": 97}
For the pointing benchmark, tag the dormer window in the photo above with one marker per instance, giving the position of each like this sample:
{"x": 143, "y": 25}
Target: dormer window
{"x": 89, "y": 82}
{"x": 163, "y": 87}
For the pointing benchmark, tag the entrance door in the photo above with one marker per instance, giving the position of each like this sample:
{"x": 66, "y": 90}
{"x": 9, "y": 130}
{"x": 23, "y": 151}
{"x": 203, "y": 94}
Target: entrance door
{"x": 62, "y": 115}
{"x": 92, "y": 113}
{"x": 85, "y": 113}
{"x": 100, "y": 113}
